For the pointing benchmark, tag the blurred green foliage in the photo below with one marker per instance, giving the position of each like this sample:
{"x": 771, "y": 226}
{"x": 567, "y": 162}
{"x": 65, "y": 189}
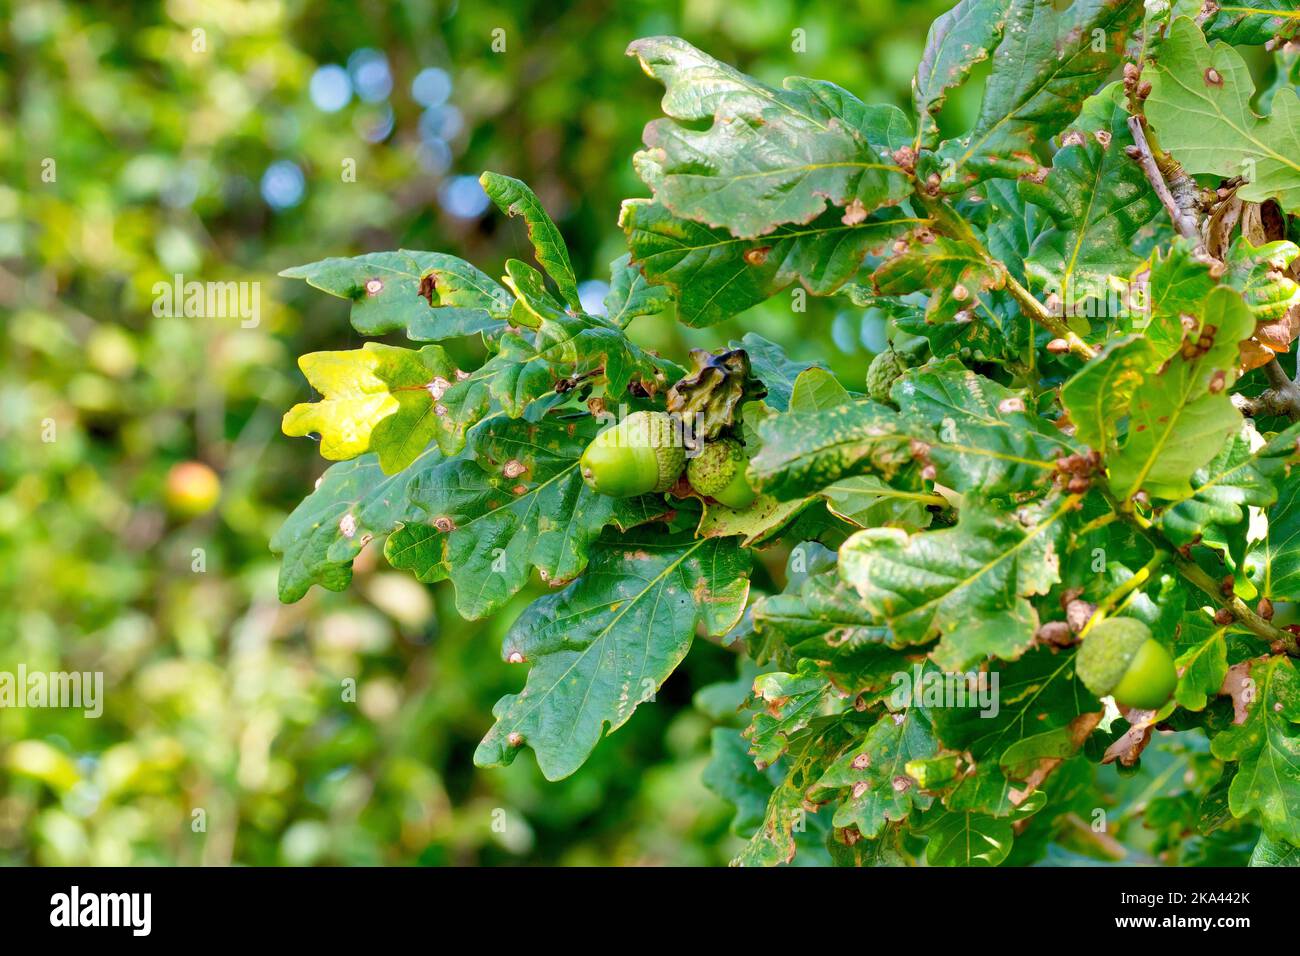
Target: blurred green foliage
{"x": 145, "y": 140}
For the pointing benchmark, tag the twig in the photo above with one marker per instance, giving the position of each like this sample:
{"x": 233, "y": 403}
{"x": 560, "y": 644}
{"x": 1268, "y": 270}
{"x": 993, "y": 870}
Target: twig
{"x": 1141, "y": 151}
{"x": 1196, "y": 575}
{"x": 946, "y": 219}
{"x": 1030, "y": 305}
{"x": 1111, "y": 600}
{"x": 1283, "y": 395}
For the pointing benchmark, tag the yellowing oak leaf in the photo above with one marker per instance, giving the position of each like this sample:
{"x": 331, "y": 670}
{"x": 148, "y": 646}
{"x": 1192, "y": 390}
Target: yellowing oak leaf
{"x": 376, "y": 398}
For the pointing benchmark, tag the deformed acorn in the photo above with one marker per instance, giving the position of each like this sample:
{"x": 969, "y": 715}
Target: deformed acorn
{"x": 641, "y": 454}
{"x": 719, "y": 472}
{"x": 883, "y": 372}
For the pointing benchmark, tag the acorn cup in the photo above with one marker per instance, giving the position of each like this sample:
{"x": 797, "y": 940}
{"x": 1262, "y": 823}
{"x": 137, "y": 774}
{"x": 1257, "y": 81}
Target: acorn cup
{"x": 1120, "y": 658}
{"x": 640, "y": 455}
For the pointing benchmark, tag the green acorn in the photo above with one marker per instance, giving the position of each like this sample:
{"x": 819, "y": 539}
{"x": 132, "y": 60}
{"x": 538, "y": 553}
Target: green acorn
{"x": 641, "y": 454}
{"x": 719, "y": 472}
{"x": 1119, "y": 657}
{"x": 883, "y": 372}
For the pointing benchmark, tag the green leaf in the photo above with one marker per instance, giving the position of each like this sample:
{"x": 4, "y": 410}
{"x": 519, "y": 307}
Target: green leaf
{"x": 1177, "y": 421}
{"x": 868, "y": 502}
{"x": 753, "y": 524}
{"x": 1097, "y": 198}
{"x": 1271, "y": 852}
{"x": 790, "y": 702}
{"x": 1047, "y": 61}
{"x": 788, "y": 826}
{"x": 1098, "y": 395}
{"x": 1276, "y": 558}
{"x": 1036, "y": 694}
{"x": 985, "y": 440}
{"x": 1177, "y": 284}
{"x": 519, "y": 504}
{"x": 772, "y": 367}
{"x": 951, "y": 270}
{"x": 429, "y": 295}
{"x": 1201, "y": 669}
{"x": 803, "y": 452}
{"x": 1267, "y": 749}
{"x": 607, "y": 642}
{"x": 631, "y": 294}
{"x": 1261, "y": 274}
{"x": 968, "y": 584}
{"x": 376, "y": 398}
{"x": 769, "y": 156}
{"x": 872, "y": 771}
{"x": 964, "y": 838}
{"x": 958, "y": 40}
{"x": 714, "y": 275}
{"x": 731, "y": 774}
{"x": 1253, "y": 22}
{"x": 824, "y": 620}
{"x": 514, "y": 198}
{"x": 533, "y": 304}
{"x": 817, "y": 389}
{"x": 1244, "y": 473}
{"x": 354, "y": 503}
{"x": 1200, "y": 106}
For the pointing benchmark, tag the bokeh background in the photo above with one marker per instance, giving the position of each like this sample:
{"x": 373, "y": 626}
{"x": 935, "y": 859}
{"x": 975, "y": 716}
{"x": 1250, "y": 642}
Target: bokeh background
{"x": 208, "y": 138}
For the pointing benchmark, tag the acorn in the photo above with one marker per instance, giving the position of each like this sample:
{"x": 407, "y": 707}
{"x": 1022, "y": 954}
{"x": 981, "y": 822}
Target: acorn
{"x": 641, "y": 454}
{"x": 884, "y": 370}
{"x": 1120, "y": 658}
{"x": 718, "y": 471}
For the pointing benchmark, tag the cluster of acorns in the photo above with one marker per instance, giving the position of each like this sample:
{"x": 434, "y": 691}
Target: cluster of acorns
{"x": 645, "y": 454}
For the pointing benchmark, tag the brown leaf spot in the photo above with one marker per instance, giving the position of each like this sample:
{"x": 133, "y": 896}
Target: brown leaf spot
{"x": 854, "y": 213}
{"x": 428, "y": 285}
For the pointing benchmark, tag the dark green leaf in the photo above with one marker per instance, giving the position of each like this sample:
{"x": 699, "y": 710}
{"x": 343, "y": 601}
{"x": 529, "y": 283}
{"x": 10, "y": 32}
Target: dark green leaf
{"x": 769, "y": 156}
{"x": 519, "y": 504}
{"x": 429, "y": 295}
{"x": 968, "y": 584}
{"x": 514, "y": 198}
{"x": 714, "y": 275}
{"x": 605, "y": 644}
